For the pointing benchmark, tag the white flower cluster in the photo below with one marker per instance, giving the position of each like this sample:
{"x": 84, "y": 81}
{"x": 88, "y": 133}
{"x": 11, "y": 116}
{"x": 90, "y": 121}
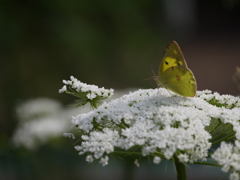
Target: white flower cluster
{"x": 41, "y": 120}
{"x": 228, "y": 155}
{"x": 227, "y": 101}
{"x": 161, "y": 125}
{"x": 229, "y": 106}
{"x": 91, "y": 90}
{"x": 35, "y": 108}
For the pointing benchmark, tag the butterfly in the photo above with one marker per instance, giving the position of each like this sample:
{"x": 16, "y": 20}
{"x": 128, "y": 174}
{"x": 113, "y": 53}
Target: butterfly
{"x": 174, "y": 74}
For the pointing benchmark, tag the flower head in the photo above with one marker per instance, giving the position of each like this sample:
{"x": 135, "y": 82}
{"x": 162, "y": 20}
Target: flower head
{"x": 86, "y": 93}
{"x": 154, "y": 123}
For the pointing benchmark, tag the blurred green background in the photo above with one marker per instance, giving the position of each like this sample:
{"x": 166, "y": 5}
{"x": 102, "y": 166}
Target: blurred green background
{"x": 106, "y": 43}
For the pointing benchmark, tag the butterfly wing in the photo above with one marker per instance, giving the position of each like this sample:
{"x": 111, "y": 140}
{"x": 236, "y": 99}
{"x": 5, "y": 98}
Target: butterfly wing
{"x": 172, "y": 56}
{"x": 180, "y": 80}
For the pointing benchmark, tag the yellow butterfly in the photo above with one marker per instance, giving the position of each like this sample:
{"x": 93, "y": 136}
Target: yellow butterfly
{"x": 174, "y": 73}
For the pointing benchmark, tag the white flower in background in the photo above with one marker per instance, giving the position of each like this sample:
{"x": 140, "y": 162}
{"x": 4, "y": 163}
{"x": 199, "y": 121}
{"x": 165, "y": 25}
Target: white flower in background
{"x": 36, "y": 108}
{"x": 155, "y": 123}
{"x": 41, "y": 120}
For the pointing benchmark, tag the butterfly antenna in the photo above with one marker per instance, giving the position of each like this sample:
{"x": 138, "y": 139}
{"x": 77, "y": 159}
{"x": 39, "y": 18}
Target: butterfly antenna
{"x": 154, "y": 77}
{"x": 152, "y": 71}
{"x": 146, "y": 79}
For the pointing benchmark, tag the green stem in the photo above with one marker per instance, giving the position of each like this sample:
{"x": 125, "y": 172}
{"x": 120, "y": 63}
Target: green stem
{"x": 181, "y": 170}
{"x": 208, "y": 163}
{"x": 128, "y": 153}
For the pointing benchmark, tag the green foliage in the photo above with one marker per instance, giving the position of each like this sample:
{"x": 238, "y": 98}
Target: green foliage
{"x": 83, "y": 100}
{"x": 220, "y": 132}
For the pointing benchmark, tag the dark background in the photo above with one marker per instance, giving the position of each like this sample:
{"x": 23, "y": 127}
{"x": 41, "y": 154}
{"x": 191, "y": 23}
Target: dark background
{"x": 106, "y": 43}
